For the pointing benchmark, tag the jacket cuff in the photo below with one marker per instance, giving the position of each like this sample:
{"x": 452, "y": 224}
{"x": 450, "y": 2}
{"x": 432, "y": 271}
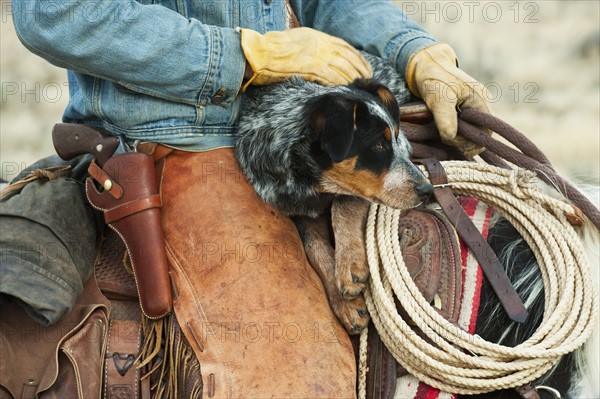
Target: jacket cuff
{"x": 226, "y": 68}
{"x": 408, "y": 49}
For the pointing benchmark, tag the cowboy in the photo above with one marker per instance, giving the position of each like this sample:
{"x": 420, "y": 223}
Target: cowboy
{"x": 175, "y": 73}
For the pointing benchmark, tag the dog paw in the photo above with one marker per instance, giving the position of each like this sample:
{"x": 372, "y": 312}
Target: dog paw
{"x": 352, "y": 273}
{"x": 352, "y": 314}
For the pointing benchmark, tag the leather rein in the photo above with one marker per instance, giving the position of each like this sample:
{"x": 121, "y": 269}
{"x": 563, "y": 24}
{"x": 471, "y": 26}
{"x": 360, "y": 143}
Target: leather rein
{"x": 421, "y": 132}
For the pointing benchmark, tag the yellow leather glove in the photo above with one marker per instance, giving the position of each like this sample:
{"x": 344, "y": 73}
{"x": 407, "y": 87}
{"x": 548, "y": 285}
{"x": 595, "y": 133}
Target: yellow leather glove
{"x": 315, "y": 56}
{"x": 433, "y": 75}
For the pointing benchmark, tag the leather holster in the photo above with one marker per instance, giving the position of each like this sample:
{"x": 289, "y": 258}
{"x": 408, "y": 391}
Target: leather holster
{"x": 131, "y": 204}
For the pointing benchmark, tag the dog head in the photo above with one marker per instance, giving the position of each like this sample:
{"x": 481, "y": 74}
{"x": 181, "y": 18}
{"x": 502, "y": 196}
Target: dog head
{"x": 360, "y": 148}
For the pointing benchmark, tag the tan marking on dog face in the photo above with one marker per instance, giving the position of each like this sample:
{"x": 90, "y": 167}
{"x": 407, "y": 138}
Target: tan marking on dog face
{"x": 389, "y": 101}
{"x": 387, "y": 133}
{"x": 344, "y": 178}
{"x": 391, "y": 188}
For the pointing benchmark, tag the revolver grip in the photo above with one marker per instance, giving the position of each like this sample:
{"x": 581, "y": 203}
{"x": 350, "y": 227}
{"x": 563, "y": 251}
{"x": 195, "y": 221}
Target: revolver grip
{"x": 71, "y": 140}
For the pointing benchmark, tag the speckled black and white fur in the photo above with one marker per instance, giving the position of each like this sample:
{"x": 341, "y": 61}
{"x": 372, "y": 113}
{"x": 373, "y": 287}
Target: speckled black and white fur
{"x": 308, "y": 148}
{"x": 285, "y": 147}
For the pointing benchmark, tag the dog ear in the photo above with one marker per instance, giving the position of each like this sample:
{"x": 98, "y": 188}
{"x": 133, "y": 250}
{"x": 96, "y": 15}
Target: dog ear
{"x": 384, "y": 95}
{"x": 333, "y": 118}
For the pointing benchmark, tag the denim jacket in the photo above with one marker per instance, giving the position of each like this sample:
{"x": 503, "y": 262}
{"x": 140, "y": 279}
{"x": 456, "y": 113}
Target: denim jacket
{"x": 170, "y": 71}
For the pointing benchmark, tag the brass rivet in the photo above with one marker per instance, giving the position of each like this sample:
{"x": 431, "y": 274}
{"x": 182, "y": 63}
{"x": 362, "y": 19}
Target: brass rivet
{"x": 107, "y": 185}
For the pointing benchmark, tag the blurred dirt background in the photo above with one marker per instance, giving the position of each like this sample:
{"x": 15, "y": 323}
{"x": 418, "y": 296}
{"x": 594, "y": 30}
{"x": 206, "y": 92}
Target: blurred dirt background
{"x": 540, "y": 60}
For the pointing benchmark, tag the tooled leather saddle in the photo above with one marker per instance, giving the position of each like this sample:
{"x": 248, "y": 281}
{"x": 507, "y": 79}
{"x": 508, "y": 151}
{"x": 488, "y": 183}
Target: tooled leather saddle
{"x": 432, "y": 256}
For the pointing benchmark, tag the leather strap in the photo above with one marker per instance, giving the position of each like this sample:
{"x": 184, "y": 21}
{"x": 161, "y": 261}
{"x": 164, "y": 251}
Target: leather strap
{"x": 29, "y": 389}
{"x": 122, "y": 377}
{"x": 52, "y": 173}
{"x": 381, "y": 378}
{"x": 528, "y": 391}
{"x": 108, "y": 183}
{"x": 490, "y": 264}
{"x": 131, "y": 207}
{"x": 158, "y": 151}
{"x": 145, "y": 391}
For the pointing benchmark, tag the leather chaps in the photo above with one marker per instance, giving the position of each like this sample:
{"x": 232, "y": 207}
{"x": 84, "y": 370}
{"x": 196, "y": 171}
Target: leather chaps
{"x": 245, "y": 296}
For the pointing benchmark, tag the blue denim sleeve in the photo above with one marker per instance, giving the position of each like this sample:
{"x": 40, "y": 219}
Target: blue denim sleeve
{"x": 147, "y": 48}
{"x": 376, "y": 26}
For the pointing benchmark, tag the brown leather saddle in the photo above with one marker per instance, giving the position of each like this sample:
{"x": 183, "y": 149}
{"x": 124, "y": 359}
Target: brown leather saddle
{"x": 432, "y": 256}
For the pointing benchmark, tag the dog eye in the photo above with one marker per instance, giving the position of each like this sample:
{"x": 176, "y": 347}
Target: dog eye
{"x": 378, "y": 146}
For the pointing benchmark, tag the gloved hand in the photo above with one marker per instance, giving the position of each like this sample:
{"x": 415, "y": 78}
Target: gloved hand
{"x": 433, "y": 75}
{"x": 305, "y": 52}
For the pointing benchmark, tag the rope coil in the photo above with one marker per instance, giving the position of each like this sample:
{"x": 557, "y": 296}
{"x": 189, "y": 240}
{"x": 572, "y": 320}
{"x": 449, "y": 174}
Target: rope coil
{"x": 450, "y": 359}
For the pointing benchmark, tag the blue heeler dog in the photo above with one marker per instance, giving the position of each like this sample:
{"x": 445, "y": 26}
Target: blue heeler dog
{"x": 310, "y": 150}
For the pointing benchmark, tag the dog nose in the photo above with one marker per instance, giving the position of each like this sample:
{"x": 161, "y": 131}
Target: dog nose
{"x": 423, "y": 189}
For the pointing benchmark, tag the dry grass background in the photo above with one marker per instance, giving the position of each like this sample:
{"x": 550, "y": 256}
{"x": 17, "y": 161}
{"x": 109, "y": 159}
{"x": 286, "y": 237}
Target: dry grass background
{"x": 540, "y": 59}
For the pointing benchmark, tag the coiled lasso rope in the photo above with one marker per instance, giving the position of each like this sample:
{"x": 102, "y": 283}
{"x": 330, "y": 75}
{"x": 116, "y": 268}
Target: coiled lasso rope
{"x": 451, "y": 359}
